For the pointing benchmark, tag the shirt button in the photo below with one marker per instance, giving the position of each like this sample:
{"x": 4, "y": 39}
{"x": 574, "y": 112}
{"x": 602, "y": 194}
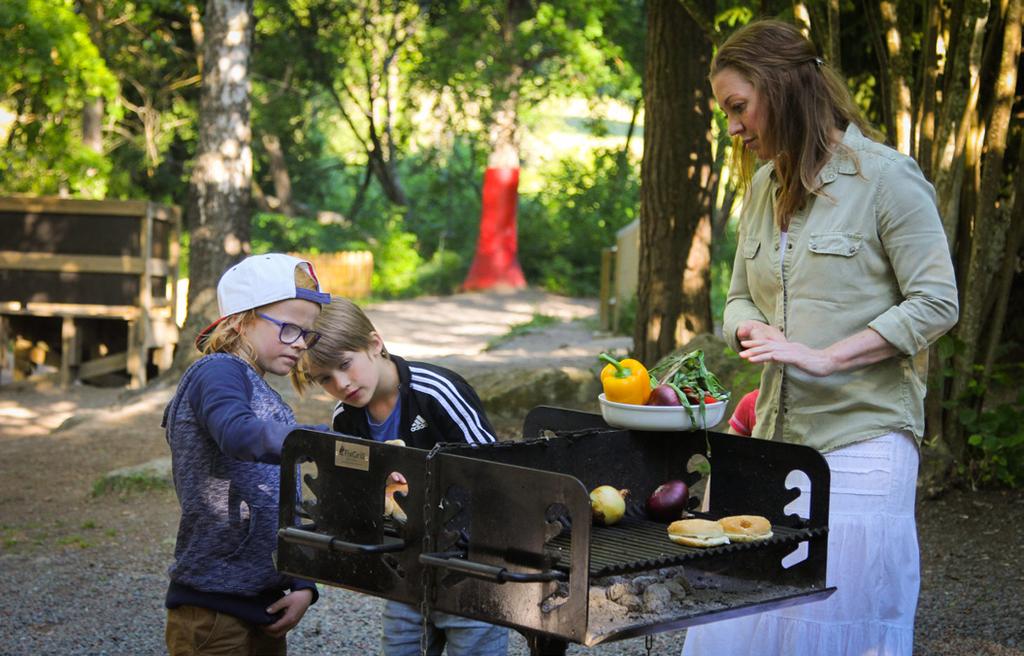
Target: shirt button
{"x": 776, "y": 247}
{"x": 789, "y": 247}
{"x": 852, "y": 250}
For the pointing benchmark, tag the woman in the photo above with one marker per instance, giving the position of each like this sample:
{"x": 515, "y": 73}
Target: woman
{"x": 842, "y": 279}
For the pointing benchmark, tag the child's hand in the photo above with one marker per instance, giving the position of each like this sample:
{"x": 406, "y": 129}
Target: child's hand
{"x": 294, "y": 605}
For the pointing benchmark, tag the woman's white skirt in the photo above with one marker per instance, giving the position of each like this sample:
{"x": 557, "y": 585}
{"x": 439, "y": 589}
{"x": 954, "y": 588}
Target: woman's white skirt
{"x": 873, "y": 561}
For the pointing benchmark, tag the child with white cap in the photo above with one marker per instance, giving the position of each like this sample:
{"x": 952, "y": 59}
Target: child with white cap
{"x": 226, "y": 426}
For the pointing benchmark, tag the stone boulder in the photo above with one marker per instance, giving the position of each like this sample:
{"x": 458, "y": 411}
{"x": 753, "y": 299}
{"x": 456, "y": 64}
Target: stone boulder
{"x": 510, "y": 393}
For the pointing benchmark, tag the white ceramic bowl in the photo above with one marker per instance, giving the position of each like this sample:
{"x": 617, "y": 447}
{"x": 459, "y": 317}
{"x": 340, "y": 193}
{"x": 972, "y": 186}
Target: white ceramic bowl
{"x": 660, "y": 417}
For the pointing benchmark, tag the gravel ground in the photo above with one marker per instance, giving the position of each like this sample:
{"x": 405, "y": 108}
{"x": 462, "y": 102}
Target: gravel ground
{"x": 95, "y": 586}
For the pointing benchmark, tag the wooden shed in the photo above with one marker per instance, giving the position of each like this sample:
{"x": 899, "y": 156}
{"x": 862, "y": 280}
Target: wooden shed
{"x": 96, "y": 277}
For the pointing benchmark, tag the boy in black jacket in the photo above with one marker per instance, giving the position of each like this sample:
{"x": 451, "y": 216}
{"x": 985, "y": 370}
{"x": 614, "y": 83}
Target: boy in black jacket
{"x": 383, "y": 397}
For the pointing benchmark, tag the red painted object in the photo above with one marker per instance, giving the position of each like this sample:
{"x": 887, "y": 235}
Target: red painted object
{"x": 495, "y": 263}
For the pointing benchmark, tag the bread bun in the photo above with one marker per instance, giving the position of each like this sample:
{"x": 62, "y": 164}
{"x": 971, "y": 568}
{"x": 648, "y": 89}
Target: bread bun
{"x": 746, "y": 528}
{"x": 697, "y": 533}
{"x": 391, "y": 507}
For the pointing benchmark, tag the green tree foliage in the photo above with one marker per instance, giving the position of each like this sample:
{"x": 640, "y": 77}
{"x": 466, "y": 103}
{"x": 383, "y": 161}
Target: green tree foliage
{"x": 48, "y": 69}
{"x": 576, "y": 214}
{"x": 149, "y": 46}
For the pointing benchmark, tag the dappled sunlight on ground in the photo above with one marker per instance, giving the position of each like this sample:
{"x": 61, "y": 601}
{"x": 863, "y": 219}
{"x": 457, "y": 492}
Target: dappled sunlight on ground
{"x": 35, "y": 409}
{"x": 24, "y": 417}
{"x": 464, "y": 324}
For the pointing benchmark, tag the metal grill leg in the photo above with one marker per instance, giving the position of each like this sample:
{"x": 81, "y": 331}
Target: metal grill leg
{"x": 544, "y": 645}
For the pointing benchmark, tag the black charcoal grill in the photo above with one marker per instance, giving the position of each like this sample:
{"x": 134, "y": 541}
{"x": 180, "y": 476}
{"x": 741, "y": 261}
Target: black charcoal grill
{"x": 502, "y": 533}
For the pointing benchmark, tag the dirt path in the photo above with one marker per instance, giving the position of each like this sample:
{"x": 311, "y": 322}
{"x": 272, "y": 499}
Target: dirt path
{"x": 62, "y": 549}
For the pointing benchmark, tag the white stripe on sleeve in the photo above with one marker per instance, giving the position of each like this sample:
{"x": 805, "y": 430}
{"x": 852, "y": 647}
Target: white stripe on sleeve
{"x": 455, "y": 404}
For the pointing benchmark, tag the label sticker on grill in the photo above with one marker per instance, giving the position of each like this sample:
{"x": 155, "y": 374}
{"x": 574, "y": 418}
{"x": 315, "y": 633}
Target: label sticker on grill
{"x": 352, "y": 456}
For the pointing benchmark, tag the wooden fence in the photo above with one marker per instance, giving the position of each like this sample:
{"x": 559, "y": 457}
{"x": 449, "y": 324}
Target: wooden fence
{"x": 348, "y": 274}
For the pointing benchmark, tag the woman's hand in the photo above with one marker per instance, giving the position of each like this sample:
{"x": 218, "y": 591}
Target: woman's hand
{"x": 863, "y": 348}
{"x": 751, "y": 329}
{"x": 294, "y": 604}
{"x": 814, "y": 361}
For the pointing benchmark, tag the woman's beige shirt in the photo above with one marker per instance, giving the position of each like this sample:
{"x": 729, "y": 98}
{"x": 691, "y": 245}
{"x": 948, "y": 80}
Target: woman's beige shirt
{"x": 868, "y": 252}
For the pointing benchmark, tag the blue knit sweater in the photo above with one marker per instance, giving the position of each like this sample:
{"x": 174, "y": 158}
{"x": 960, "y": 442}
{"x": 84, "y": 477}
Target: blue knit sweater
{"x": 225, "y": 426}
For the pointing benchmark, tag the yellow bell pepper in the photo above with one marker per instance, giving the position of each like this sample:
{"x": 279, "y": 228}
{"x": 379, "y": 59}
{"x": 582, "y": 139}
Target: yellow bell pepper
{"x": 625, "y": 381}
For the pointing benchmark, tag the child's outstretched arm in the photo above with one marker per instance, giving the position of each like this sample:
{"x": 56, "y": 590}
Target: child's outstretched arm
{"x": 221, "y": 398}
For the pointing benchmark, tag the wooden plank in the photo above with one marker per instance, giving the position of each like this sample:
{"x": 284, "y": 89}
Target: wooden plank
{"x": 68, "y": 350}
{"x": 145, "y": 300}
{"x": 127, "y": 312}
{"x": 71, "y": 263}
{"x": 159, "y": 268}
{"x": 105, "y": 365}
{"x": 136, "y": 360}
{"x": 53, "y": 205}
{"x": 606, "y": 301}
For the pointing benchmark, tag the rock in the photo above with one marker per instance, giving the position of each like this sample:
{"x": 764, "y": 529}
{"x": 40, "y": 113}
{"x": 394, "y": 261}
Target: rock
{"x": 656, "y": 597}
{"x": 618, "y": 590}
{"x": 152, "y": 474}
{"x": 631, "y": 601}
{"x": 517, "y": 391}
{"x": 640, "y": 583}
{"x": 675, "y": 588}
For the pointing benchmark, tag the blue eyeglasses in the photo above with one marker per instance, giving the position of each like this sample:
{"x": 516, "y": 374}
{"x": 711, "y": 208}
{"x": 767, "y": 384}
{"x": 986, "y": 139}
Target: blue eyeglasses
{"x": 290, "y": 333}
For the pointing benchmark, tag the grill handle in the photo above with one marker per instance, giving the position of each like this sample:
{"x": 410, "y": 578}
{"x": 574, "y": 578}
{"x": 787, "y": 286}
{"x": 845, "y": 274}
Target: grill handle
{"x": 454, "y": 562}
{"x": 331, "y": 543}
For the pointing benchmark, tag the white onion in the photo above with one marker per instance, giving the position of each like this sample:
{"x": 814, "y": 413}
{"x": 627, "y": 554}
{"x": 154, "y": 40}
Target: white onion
{"x": 608, "y": 504}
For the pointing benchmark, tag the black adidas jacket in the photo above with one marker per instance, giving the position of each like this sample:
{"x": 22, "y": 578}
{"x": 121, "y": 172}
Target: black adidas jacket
{"x": 438, "y": 405}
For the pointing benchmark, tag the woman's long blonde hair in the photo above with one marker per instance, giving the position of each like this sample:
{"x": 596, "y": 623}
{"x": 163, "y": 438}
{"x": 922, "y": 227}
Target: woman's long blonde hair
{"x": 343, "y": 327}
{"x": 803, "y": 100}
{"x": 228, "y": 336}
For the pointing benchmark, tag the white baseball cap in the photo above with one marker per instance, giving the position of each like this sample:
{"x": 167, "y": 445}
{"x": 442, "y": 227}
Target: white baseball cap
{"x": 261, "y": 280}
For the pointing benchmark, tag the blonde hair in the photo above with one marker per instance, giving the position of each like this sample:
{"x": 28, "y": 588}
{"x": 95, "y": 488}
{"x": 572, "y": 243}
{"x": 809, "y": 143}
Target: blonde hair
{"x": 228, "y": 335}
{"x": 804, "y": 101}
{"x": 343, "y": 327}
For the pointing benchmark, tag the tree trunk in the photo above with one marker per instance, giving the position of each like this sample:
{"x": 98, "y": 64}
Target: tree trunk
{"x": 833, "y": 49}
{"x": 958, "y": 112}
{"x": 218, "y": 218}
{"x": 92, "y": 112}
{"x": 279, "y": 175}
{"x": 802, "y": 17}
{"x": 989, "y": 225}
{"x": 895, "y": 65}
{"x": 673, "y": 300}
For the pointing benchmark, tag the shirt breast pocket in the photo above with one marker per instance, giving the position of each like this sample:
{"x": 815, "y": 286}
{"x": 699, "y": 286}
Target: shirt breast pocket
{"x": 750, "y": 248}
{"x": 843, "y": 244}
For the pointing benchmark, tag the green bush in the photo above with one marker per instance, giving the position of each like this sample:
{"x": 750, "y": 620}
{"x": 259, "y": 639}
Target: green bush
{"x": 443, "y": 273}
{"x": 564, "y": 226}
{"x": 996, "y": 432}
{"x": 723, "y": 251}
{"x": 395, "y": 263}
{"x": 998, "y": 437}
{"x": 428, "y": 246}
{"x": 992, "y": 416}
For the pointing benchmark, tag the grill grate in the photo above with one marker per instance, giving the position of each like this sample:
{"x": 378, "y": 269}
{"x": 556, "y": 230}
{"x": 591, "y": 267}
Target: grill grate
{"x": 635, "y": 545}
